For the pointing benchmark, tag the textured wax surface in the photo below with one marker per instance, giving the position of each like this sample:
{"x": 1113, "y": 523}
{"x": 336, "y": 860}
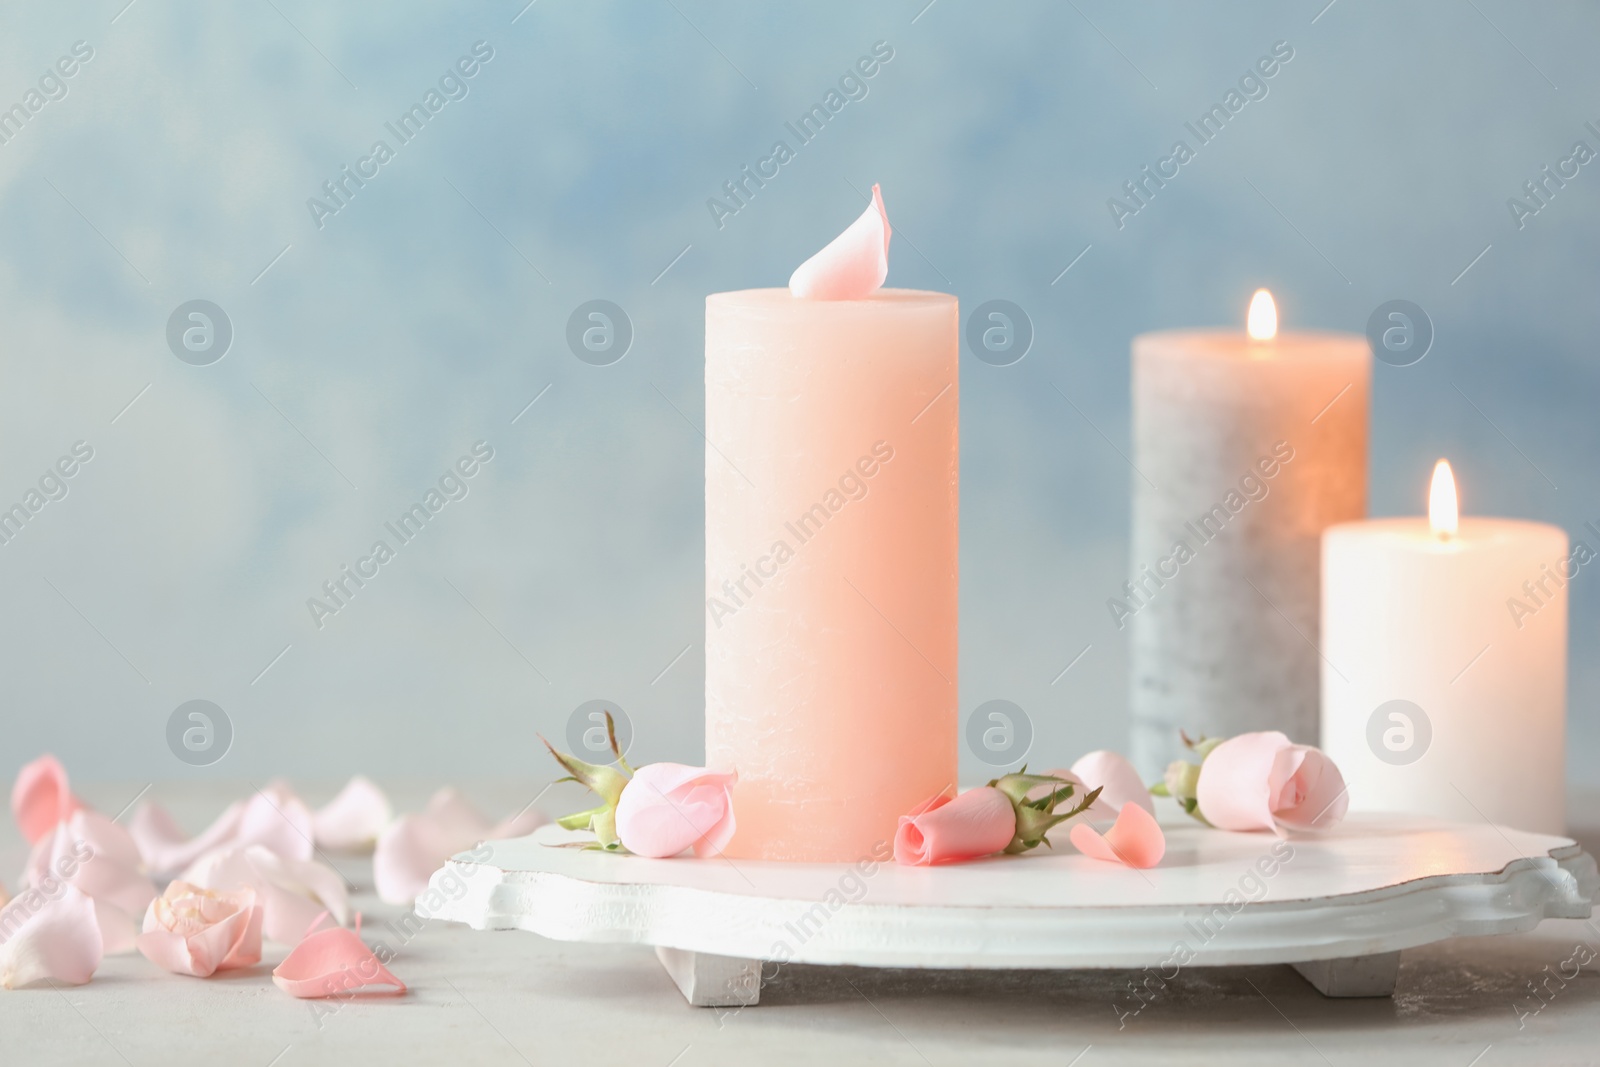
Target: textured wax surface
{"x": 1225, "y": 642}
{"x": 831, "y": 577}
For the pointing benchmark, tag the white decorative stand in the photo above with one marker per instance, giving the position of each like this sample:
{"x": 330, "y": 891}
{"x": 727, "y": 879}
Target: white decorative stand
{"x": 1339, "y": 907}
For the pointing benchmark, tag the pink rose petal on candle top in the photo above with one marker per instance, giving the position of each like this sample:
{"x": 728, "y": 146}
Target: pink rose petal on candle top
{"x": 853, "y": 265}
{"x": 41, "y": 798}
{"x": 668, "y": 807}
{"x": 946, "y": 829}
{"x": 1119, "y": 783}
{"x": 1135, "y": 839}
{"x": 195, "y": 931}
{"x": 332, "y": 962}
{"x": 1263, "y": 781}
{"x": 51, "y": 932}
{"x": 355, "y": 818}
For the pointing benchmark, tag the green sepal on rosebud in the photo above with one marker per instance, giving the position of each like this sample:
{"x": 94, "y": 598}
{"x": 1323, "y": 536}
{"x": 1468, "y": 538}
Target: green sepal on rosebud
{"x": 1037, "y": 817}
{"x": 607, "y": 782}
{"x": 1182, "y": 780}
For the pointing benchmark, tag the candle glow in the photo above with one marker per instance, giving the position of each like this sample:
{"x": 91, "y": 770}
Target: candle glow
{"x": 1443, "y": 509}
{"x": 1262, "y": 320}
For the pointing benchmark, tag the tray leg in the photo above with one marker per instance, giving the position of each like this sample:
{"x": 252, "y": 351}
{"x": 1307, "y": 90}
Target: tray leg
{"x": 1354, "y": 976}
{"x": 712, "y": 981}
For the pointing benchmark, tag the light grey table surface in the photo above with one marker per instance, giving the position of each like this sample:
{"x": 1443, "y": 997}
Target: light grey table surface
{"x": 514, "y": 998}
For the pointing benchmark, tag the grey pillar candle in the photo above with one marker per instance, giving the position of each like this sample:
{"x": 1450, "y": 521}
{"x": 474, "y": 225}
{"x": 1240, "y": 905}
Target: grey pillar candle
{"x": 1246, "y": 447}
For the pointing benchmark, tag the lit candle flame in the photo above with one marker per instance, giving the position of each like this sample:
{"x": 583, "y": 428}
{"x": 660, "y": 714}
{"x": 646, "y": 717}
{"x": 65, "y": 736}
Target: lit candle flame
{"x": 1443, "y": 511}
{"x": 1262, "y": 320}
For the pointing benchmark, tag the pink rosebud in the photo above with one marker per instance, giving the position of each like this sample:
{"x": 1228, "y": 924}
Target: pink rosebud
{"x": 667, "y": 807}
{"x": 189, "y": 930}
{"x": 272, "y": 817}
{"x": 945, "y": 829}
{"x": 1263, "y": 781}
{"x": 1134, "y": 839}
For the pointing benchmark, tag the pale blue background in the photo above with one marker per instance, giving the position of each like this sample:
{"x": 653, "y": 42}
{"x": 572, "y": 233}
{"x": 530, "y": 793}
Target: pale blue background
{"x": 412, "y": 325}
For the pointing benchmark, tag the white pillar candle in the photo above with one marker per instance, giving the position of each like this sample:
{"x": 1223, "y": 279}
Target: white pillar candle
{"x": 1444, "y": 690}
{"x": 1247, "y": 444}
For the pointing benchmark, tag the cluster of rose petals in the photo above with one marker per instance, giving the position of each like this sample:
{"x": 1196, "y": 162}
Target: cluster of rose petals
{"x": 249, "y": 875}
{"x": 667, "y": 807}
{"x": 273, "y": 818}
{"x": 946, "y": 829}
{"x": 290, "y": 892}
{"x": 196, "y": 931}
{"x": 1263, "y": 781}
{"x": 853, "y": 265}
{"x": 98, "y": 858}
{"x": 412, "y": 847}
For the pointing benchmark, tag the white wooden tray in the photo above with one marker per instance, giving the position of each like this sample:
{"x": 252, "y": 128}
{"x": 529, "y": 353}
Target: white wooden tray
{"x": 1339, "y": 906}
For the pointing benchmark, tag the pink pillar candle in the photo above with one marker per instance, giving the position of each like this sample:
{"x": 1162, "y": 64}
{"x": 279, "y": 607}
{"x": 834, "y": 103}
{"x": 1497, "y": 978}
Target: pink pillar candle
{"x": 831, "y": 532}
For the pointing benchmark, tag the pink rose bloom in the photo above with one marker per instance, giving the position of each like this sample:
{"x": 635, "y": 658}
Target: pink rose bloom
{"x": 945, "y": 829}
{"x": 667, "y": 807}
{"x": 189, "y": 930}
{"x": 1263, "y": 781}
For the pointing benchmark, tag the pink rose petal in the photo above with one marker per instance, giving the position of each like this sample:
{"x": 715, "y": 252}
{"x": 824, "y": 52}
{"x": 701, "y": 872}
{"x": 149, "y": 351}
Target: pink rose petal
{"x": 1135, "y": 839}
{"x": 669, "y": 807}
{"x": 945, "y": 829}
{"x": 272, "y": 817}
{"x": 98, "y": 857}
{"x": 521, "y": 824}
{"x": 1119, "y": 783}
{"x": 291, "y": 893}
{"x": 353, "y": 819}
{"x": 332, "y": 962}
{"x": 41, "y": 798}
{"x": 853, "y": 265}
{"x": 49, "y": 936}
{"x": 412, "y": 847}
